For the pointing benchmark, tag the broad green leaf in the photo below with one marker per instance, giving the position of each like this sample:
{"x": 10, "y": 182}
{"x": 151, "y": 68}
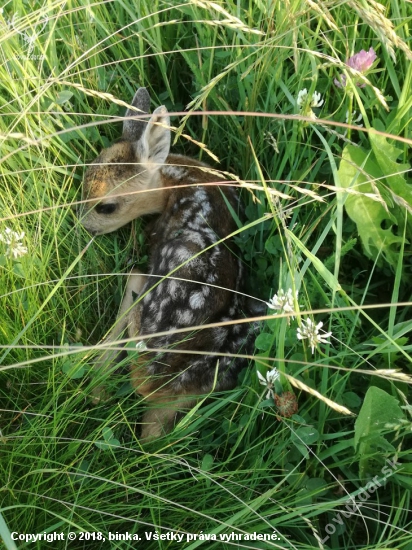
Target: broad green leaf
{"x": 109, "y": 440}
{"x": 102, "y": 445}
{"x": 70, "y": 365}
{"x": 274, "y": 245}
{"x": 72, "y": 370}
{"x": 378, "y": 409}
{"x": 264, "y": 341}
{"x": 351, "y": 400}
{"x": 63, "y": 97}
{"x": 306, "y": 434}
{"x": 18, "y": 270}
{"x": 207, "y": 462}
{"x": 386, "y": 156}
{"x": 317, "y": 485}
{"x": 302, "y": 449}
{"x": 359, "y": 171}
{"x": 107, "y": 433}
{"x": 266, "y": 403}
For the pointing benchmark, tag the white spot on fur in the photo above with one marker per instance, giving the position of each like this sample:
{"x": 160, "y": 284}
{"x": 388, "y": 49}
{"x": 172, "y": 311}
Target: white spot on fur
{"x": 185, "y": 215}
{"x": 206, "y": 209}
{"x": 183, "y": 201}
{"x": 184, "y": 316}
{"x": 165, "y": 250}
{"x": 161, "y": 306}
{"x": 196, "y": 238}
{"x": 197, "y": 300}
{"x": 182, "y": 254}
{"x": 175, "y": 172}
{"x": 147, "y": 299}
{"x": 202, "y": 199}
{"x": 195, "y": 225}
{"x": 200, "y": 195}
{"x": 172, "y": 288}
{"x": 219, "y": 335}
{"x": 239, "y": 343}
{"x": 205, "y": 290}
{"x": 210, "y": 233}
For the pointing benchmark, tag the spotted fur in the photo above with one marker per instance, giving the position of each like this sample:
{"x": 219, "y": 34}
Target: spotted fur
{"x": 199, "y": 275}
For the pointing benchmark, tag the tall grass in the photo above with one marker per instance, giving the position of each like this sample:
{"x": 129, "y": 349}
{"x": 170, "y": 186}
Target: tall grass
{"x": 237, "y": 464}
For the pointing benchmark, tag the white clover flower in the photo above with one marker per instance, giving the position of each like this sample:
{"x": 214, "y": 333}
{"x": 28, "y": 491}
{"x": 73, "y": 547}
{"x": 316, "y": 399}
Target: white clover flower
{"x": 354, "y": 120}
{"x": 302, "y": 97}
{"x": 306, "y": 106}
{"x": 317, "y": 100}
{"x": 269, "y": 381}
{"x": 283, "y": 301}
{"x": 311, "y": 331}
{"x": 10, "y": 237}
{"x": 12, "y": 240}
{"x": 17, "y": 251}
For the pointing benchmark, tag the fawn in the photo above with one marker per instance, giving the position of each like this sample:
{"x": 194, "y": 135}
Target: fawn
{"x": 137, "y": 176}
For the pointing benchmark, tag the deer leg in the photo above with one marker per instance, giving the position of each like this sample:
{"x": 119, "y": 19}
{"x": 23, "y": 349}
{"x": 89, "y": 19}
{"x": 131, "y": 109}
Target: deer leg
{"x": 159, "y": 419}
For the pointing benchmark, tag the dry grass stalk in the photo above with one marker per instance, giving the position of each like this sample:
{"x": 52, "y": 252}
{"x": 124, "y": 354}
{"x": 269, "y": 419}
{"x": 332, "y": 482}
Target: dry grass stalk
{"x": 230, "y": 21}
{"x": 372, "y": 13}
{"x": 320, "y": 8}
{"x": 389, "y": 374}
{"x": 301, "y": 386}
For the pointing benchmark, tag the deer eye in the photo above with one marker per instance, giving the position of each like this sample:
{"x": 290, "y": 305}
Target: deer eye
{"x": 107, "y": 208}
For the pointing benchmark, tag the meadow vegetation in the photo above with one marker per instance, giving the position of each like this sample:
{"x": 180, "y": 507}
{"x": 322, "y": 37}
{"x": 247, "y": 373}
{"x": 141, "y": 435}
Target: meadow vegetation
{"x": 325, "y": 181}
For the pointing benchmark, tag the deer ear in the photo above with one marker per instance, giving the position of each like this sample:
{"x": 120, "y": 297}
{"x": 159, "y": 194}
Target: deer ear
{"x": 154, "y": 144}
{"x": 134, "y": 128}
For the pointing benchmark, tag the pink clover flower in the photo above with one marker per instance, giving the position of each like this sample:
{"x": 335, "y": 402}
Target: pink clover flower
{"x": 361, "y": 61}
